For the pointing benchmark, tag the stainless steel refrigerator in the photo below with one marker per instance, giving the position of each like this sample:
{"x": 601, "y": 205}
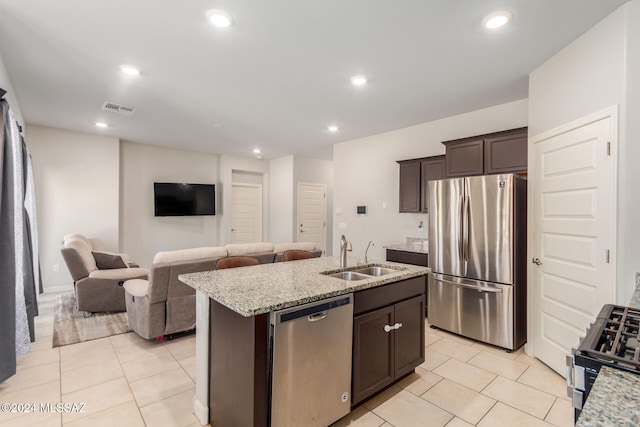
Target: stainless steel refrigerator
{"x": 477, "y": 255}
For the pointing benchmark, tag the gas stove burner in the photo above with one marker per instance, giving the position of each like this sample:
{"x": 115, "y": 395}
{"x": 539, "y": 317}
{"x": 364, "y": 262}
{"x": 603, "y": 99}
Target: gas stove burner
{"x": 615, "y": 337}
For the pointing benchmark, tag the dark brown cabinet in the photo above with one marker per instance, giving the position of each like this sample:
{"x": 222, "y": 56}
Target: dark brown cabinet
{"x": 506, "y": 153}
{"x": 464, "y": 158}
{"x": 414, "y": 175}
{"x": 409, "y": 186}
{"x": 498, "y": 152}
{"x": 431, "y": 168}
{"x": 406, "y": 257}
{"x": 388, "y": 335}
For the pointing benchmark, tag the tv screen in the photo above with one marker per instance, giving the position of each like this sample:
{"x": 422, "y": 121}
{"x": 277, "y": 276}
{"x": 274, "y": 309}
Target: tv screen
{"x": 174, "y": 199}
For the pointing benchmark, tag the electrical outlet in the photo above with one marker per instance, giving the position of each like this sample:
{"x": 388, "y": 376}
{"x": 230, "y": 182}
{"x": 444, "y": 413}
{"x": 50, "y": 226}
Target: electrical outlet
{"x": 56, "y": 268}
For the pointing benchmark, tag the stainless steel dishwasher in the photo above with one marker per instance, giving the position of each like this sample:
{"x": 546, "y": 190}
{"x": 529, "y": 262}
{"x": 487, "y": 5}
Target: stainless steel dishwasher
{"x": 311, "y": 363}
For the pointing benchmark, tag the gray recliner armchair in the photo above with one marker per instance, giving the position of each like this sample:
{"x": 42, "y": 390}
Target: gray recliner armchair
{"x": 98, "y": 274}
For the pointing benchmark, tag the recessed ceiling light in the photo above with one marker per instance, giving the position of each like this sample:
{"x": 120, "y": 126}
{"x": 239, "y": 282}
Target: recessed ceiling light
{"x": 101, "y": 125}
{"x": 256, "y": 150}
{"x": 219, "y": 18}
{"x": 333, "y": 128}
{"x": 130, "y": 70}
{"x": 359, "y": 80}
{"x": 497, "y": 19}
{"x": 218, "y": 125}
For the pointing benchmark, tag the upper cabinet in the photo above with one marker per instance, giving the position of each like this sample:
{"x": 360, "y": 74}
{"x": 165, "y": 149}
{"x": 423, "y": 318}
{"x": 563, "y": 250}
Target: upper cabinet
{"x": 410, "y": 185}
{"x": 506, "y": 153}
{"x": 487, "y": 154}
{"x": 414, "y": 175}
{"x": 431, "y": 168}
{"x": 464, "y": 158}
{"x": 498, "y": 152}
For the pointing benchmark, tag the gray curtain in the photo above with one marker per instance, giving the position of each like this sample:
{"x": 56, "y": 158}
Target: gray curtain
{"x": 19, "y": 267}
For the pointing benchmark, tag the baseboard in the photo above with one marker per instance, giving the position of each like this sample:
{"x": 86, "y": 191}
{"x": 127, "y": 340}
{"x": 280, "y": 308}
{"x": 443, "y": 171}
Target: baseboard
{"x": 57, "y": 289}
{"x": 201, "y": 411}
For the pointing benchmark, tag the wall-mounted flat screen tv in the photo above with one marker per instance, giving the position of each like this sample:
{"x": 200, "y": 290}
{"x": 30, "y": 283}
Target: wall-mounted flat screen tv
{"x": 175, "y": 199}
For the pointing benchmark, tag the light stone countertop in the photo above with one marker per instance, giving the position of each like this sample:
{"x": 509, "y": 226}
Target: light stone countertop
{"x": 613, "y": 400}
{"x": 259, "y": 289}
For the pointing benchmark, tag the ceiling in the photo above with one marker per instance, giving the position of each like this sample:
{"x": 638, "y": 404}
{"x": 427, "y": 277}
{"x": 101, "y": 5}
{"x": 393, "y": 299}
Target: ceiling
{"x": 278, "y": 77}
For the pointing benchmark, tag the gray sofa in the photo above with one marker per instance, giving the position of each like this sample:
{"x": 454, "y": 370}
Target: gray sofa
{"x": 163, "y": 305}
{"x": 97, "y": 289}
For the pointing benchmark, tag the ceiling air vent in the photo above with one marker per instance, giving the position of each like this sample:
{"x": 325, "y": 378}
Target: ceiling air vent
{"x": 117, "y": 108}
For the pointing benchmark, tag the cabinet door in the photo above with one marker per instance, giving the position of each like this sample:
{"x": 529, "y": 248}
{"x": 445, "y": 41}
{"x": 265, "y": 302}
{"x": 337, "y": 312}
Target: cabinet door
{"x": 373, "y": 353}
{"x": 410, "y": 186}
{"x": 430, "y": 169}
{"x": 465, "y": 158}
{"x": 506, "y": 153}
{"x": 409, "y": 351}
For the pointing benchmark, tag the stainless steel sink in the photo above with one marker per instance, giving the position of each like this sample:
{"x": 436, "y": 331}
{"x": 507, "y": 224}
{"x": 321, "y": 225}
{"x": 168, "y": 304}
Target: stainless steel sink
{"x": 349, "y": 275}
{"x": 362, "y": 273}
{"x": 376, "y": 271}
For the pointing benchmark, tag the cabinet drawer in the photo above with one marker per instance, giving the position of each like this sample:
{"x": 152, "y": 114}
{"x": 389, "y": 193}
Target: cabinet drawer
{"x": 370, "y": 299}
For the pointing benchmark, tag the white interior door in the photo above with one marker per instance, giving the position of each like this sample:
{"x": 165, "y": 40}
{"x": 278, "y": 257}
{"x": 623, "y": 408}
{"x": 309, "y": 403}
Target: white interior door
{"x": 246, "y": 212}
{"x": 312, "y": 214}
{"x": 573, "y": 233}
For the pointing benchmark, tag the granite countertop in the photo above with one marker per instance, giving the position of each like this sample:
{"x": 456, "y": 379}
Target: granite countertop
{"x": 613, "y": 400}
{"x": 409, "y": 247}
{"x": 259, "y": 289}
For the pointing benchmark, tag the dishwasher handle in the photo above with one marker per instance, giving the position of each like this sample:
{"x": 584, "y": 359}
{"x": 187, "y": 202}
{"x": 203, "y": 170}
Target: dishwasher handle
{"x": 318, "y": 316}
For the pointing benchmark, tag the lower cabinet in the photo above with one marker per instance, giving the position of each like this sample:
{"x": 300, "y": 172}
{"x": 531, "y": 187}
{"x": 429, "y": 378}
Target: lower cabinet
{"x": 388, "y": 336}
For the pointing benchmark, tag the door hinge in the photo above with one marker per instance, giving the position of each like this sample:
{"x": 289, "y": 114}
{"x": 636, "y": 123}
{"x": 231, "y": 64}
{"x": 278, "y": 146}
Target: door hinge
{"x": 607, "y": 256}
{"x": 608, "y": 148}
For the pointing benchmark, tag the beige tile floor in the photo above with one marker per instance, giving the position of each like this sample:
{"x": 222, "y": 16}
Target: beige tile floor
{"x": 125, "y": 381}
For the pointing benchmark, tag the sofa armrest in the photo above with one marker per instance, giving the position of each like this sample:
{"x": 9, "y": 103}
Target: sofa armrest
{"x": 120, "y": 273}
{"x": 137, "y": 287}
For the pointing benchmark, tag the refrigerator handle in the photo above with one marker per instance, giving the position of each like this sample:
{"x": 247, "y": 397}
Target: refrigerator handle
{"x": 465, "y": 228}
{"x": 461, "y": 248}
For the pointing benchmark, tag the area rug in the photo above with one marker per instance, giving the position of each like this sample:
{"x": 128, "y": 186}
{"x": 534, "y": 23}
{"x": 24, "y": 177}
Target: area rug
{"x": 70, "y": 326}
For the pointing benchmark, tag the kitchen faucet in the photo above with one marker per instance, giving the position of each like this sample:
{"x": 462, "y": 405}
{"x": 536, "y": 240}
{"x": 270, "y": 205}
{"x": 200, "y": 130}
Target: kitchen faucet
{"x": 366, "y": 251}
{"x": 345, "y": 246}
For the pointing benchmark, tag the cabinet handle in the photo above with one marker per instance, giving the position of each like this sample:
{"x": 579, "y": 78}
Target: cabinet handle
{"x": 388, "y": 328}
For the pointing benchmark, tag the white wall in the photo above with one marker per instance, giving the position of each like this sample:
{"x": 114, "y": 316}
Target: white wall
{"x": 227, "y": 166}
{"x": 629, "y": 175}
{"x": 366, "y": 173}
{"x": 281, "y": 220}
{"x": 5, "y": 83}
{"x": 142, "y": 234}
{"x": 598, "y": 70}
{"x": 314, "y": 171}
{"x": 77, "y": 183}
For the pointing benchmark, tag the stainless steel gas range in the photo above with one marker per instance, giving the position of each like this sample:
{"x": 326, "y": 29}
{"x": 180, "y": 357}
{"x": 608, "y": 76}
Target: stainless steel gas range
{"x": 613, "y": 339}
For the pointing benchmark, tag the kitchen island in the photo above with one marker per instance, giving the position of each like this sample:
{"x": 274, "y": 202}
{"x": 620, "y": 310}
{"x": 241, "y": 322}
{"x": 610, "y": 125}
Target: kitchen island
{"x": 233, "y": 377}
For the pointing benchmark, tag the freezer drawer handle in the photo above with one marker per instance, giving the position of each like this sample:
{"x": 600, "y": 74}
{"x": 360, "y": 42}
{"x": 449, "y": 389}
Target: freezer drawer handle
{"x": 479, "y": 289}
{"x": 318, "y": 316}
{"x": 388, "y": 328}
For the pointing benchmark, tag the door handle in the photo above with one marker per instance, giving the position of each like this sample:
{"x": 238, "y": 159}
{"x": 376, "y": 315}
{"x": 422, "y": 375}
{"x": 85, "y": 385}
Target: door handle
{"x": 536, "y": 261}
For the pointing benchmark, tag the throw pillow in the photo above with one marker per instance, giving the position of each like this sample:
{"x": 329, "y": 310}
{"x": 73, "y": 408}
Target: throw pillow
{"x": 108, "y": 261}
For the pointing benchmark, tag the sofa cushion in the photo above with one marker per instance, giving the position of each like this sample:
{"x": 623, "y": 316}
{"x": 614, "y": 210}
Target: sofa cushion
{"x": 236, "y": 249}
{"x": 302, "y": 246}
{"x": 137, "y": 287}
{"x": 108, "y": 260}
{"x": 189, "y": 254}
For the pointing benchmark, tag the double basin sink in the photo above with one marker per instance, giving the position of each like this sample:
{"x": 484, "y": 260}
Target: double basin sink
{"x": 364, "y": 272}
